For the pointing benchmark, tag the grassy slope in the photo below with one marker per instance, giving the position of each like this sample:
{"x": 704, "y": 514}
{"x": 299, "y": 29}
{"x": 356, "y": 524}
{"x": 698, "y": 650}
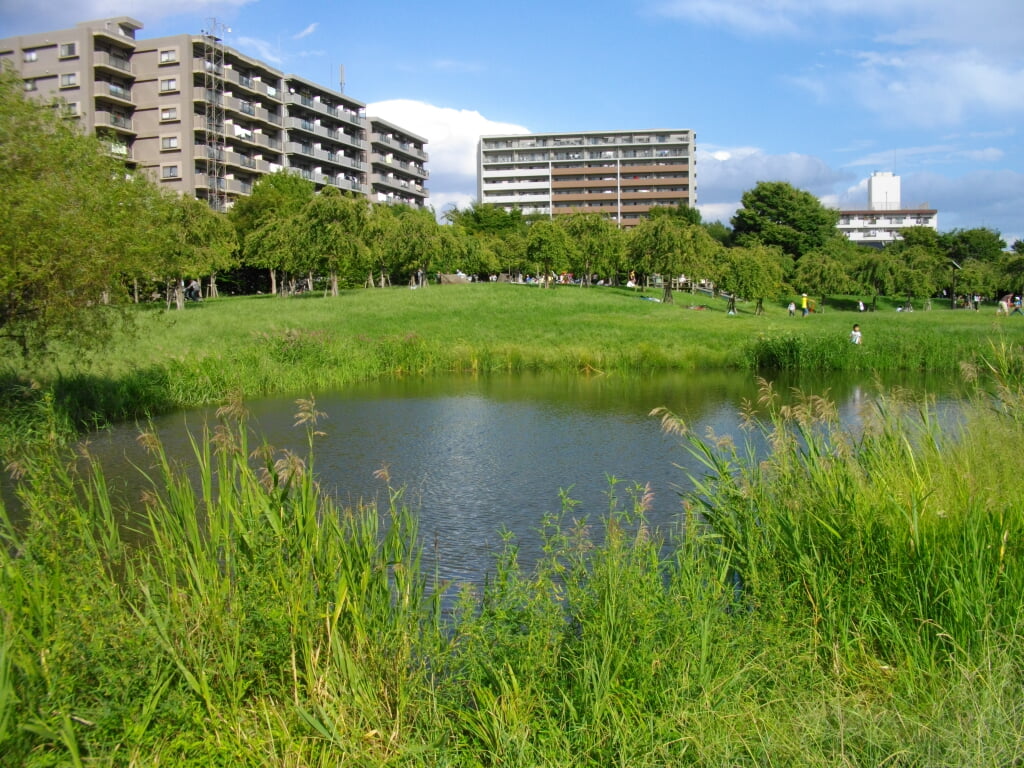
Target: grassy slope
{"x": 261, "y": 345}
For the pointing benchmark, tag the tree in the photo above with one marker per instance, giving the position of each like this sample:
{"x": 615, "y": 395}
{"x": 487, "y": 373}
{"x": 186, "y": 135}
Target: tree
{"x": 656, "y": 246}
{"x": 822, "y": 272}
{"x": 981, "y": 243}
{"x": 199, "y": 241}
{"x": 75, "y": 226}
{"x": 267, "y": 222}
{"x": 402, "y": 240}
{"x": 776, "y": 213}
{"x": 751, "y": 273}
{"x": 920, "y": 273}
{"x": 682, "y": 213}
{"x": 335, "y": 232}
{"x": 877, "y": 271}
{"x": 482, "y": 218}
{"x": 549, "y": 248}
{"x": 719, "y": 232}
{"x": 596, "y": 240}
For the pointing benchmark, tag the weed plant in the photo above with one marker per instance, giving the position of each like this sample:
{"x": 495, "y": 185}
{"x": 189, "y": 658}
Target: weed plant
{"x": 843, "y": 598}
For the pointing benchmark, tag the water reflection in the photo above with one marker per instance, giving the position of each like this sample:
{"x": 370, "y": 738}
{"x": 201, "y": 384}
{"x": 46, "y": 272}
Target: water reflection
{"x": 479, "y": 455}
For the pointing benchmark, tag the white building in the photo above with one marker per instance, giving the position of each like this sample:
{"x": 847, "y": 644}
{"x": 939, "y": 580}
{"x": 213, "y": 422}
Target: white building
{"x": 884, "y": 218}
{"x": 619, "y": 174}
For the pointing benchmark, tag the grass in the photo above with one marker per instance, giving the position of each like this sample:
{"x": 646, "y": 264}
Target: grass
{"x": 256, "y": 346}
{"x": 845, "y": 599}
{"x": 841, "y": 599}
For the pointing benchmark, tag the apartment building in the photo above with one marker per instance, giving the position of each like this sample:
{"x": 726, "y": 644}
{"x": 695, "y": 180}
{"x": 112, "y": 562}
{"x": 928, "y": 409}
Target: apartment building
{"x": 397, "y": 164}
{"x": 885, "y": 217}
{"x": 207, "y": 120}
{"x": 618, "y": 174}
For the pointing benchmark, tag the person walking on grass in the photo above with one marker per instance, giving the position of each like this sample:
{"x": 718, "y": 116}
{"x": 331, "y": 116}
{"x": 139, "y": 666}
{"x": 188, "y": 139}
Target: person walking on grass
{"x": 803, "y": 305}
{"x": 855, "y": 334}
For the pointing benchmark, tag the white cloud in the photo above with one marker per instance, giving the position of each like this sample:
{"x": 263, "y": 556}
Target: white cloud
{"x": 932, "y": 87}
{"x": 452, "y": 136}
{"x": 306, "y": 32}
{"x": 932, "y": 62}
{"x": 725, "y": 173}
{"x": 268, "y": 52}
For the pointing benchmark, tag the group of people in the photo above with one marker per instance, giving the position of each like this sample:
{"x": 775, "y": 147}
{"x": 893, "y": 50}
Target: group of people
{"x": 1009, "y": 300}
{"x": 805, "y": 309}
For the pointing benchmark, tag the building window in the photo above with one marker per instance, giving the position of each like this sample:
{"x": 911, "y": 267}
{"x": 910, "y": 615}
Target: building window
{"x": 169, "y": 172}
{"x": 70, "y": 109}
{"x": 169, "y": 56}
{"x": 168, "y": 113}
{"x": 67, "y": 50}
{"x": 168, "y": 142}
{"x": 30, "y": 85}
{"x": 31, "y": 56}
{"x": 168, "y": 84}
{"x": 69, "y": 80}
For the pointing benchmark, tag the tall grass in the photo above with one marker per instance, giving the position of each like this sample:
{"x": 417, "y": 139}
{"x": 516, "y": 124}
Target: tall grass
{"x": 839, "y": 598}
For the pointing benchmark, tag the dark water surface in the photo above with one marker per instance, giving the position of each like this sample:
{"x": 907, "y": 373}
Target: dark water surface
{"x": 480, "y": 455}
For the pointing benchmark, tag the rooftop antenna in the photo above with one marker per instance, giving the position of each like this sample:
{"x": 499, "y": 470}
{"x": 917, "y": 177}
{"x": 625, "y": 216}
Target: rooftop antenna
{"x": 341, "y": 78}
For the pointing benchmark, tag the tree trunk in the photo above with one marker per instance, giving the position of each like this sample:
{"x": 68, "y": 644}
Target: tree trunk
{"x": 211, "y": 290}
{"x": 273, "y": 282}
{"x": 759, "y": 309}
{"x": 334, "y": 283}
{"x": 666, "y": 297}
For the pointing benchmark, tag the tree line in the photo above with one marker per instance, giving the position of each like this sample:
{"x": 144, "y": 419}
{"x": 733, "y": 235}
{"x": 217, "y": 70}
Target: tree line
{"x": 83, "y": 236}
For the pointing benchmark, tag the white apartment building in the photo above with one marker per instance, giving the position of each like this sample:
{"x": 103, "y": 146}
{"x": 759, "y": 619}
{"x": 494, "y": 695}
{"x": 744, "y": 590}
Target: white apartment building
{"x": 881, "y": 222}
{"x": 619, "y": 174}
{"x": 207, "y": 120}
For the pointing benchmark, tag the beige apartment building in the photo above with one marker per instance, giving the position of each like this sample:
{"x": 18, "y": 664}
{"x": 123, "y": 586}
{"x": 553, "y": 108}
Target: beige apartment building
{"x": 207, "y": 120}
{"x": 618, "y": 174}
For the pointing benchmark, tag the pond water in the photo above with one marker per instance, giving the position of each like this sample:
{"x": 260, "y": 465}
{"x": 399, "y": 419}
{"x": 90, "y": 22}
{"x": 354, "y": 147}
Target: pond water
{"x": 478, "y": 456}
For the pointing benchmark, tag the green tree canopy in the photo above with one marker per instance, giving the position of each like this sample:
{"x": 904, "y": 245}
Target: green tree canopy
{"x": 335, "y": 232}
{"x": 549, "y": 248}
{"x": 198, "y": 242}
{"x": 776, "y": 213}
{"x": 597, "y": 242}
{"x": 751, "y": 273}
{"x": 981, "y": 243}
{"x": 482, "y": 218}
{"x": 76, "y": 227}
{"x": 269, "y": 223}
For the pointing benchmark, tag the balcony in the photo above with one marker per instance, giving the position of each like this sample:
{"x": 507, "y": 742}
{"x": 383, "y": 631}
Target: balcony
{"x": 111, "y": 62}
{"x": 118, "y": 36}
{"x": 251, "y": 84}
{"x": 120, "y": 123}
{"x": 114, "y": 92}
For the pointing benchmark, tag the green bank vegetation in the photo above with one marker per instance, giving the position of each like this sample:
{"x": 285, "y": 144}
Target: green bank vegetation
{"x": 843, "y": 599}
{"x": 257, "y": 346}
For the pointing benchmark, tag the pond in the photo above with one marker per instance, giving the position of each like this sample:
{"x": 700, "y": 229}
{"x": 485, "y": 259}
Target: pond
{"x": 479, "y": 456}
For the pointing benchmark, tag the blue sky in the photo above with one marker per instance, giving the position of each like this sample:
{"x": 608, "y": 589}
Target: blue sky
{"x": 818, "y": 93}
